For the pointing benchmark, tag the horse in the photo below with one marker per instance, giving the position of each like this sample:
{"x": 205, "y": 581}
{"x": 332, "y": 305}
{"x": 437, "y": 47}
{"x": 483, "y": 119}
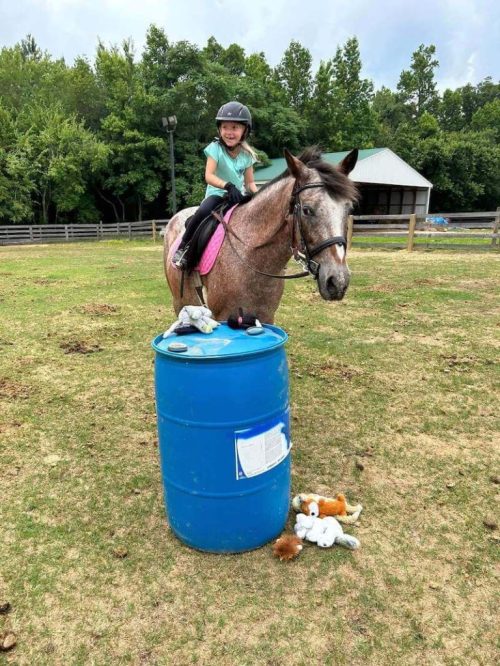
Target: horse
{"x": 303, "y": 212}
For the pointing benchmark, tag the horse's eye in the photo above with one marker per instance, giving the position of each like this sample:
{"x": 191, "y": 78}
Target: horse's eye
{"x": 308, "y": 211}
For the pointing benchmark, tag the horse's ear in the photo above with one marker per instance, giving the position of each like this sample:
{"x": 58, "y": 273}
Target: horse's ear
{"x": 349, "y": 162}
{"x": 295, "y": 166}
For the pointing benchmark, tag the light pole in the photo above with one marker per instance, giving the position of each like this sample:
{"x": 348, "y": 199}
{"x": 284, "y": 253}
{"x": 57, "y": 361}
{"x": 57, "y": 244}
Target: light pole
{"x": 170, "y": 123}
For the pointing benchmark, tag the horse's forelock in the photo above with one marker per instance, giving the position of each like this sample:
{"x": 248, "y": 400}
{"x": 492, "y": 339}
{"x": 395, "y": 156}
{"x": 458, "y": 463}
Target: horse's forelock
{"x": 310, "y": 154}
{"x": 336, "y": 182}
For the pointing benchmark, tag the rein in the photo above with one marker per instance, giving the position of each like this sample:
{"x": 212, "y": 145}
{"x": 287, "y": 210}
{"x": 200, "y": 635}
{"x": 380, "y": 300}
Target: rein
{"x": 304, "y": 258}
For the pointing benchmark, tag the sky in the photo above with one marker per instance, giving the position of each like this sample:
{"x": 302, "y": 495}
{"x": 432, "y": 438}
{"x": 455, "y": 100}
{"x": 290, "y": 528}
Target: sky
{"x": 466, "y": 33}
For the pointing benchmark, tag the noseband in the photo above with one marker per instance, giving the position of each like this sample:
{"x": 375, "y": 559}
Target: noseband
{"x": 305, "y": 258}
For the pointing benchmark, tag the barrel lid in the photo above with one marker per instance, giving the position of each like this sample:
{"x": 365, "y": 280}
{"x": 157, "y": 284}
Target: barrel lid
{"x": 222, "y": 342}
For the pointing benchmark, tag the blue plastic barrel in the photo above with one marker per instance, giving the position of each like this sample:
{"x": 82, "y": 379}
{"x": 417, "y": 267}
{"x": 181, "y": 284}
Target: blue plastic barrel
{"x": 224, "y": 436}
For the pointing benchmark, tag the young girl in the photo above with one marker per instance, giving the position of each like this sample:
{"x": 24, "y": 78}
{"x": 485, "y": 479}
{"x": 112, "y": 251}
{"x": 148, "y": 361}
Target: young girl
{"x": 229, "y": 169}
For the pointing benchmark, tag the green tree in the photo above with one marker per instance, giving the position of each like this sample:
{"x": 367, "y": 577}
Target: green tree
{"x": 416, "y": 86}
{"x": 213, "y": 51}
{"x": 131, "y": 130}
{"x": 475, "y": 97}
{"x": 233, "y": 59}
{"x": 61, "y": 157}
{"x": 258, "y": 69}
{"x": 29, "y": 49}
{"x": 450, "y": 113}
{"x": 488, "y": 118}
{"x": 294, "y": 75}
{"x": 82, "y": 95}
{"x": 355, "y": 120}
{"x": 388, "y": 108}
{"x": 15, "y": 185}
{"x": 321, "y": 113}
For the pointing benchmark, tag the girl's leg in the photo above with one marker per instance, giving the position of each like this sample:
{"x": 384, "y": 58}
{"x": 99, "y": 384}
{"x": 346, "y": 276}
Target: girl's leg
{"x": 205, "y": 208}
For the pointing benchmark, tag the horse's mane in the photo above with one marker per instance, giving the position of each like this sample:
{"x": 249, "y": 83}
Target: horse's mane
{"x": 336, "y": 182}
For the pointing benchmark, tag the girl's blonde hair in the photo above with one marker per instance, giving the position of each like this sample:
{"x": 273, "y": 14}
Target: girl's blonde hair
{"x": 251, "y": 151}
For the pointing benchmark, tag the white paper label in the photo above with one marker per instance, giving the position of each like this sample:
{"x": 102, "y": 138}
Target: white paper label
{"x": 258, "y": 450}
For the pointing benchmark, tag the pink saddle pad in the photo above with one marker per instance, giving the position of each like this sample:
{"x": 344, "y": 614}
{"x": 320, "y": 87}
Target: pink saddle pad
{"x": 211, "y": 251}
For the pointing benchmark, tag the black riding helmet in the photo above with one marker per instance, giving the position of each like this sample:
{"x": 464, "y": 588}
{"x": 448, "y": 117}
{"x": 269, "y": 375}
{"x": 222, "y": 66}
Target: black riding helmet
{"x": 237, "y": 113}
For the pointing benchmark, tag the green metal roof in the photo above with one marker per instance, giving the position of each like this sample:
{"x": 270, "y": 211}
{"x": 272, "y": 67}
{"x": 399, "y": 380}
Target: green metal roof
{"x": 278, "y": 165}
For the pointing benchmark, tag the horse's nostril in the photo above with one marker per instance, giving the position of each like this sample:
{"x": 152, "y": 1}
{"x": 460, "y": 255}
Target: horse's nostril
{"x": 336, "y": 288}
{"x": 331, "y": 285}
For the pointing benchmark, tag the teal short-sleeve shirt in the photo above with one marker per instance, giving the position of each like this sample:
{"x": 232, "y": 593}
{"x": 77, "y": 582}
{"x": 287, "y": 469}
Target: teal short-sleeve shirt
{"x": 230, "y": 169}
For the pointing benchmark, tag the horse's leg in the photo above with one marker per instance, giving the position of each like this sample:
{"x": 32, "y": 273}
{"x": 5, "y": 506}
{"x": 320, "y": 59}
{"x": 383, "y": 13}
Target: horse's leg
{"x": 173, "y": 275}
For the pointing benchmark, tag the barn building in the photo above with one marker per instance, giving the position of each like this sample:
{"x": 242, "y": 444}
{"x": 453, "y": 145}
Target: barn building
{"x": 388, "y": 185}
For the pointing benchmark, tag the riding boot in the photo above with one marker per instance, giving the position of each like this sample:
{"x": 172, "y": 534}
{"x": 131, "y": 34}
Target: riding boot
{"x": 180, "y": 256}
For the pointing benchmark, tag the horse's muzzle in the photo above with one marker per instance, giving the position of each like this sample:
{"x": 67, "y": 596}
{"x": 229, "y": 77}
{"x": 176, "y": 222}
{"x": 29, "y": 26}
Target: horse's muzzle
{"x": 333, "y": 286}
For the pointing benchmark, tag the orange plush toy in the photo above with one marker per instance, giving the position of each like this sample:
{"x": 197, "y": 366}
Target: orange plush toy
{"x": 339, "y": 508}
{"x": 287, "y": 547}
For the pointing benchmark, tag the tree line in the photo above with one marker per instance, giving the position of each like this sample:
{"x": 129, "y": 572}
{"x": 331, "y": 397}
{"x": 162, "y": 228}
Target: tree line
{"x": 85, "y": 142}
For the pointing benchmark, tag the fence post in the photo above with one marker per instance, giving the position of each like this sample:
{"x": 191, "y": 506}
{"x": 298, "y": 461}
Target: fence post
{"x": 129, "y": 231}
{"x": 350, "y": 229}
{"x": 411, "y": 231}
{"x": 496, "y": 227}
{"x": 154, "y": 231}
{"x": 100, "y": 229}
{"x": 66, "y": 235}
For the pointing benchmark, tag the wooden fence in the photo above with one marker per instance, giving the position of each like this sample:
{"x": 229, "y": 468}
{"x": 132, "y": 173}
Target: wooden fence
{"x": 412, "y": 231}
{"x": 396, "y": 231}
{"x": 60, "y": 233}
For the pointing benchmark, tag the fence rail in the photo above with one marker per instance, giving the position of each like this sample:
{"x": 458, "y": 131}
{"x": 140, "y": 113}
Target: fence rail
{"x": 418, "y": 231}
{"x": 59, "y": 233}
{"x": 362, "y": 228}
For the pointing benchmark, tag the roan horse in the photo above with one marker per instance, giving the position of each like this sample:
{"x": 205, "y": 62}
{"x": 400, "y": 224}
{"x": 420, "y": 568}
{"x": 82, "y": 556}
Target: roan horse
{"x": 302, "y": 212}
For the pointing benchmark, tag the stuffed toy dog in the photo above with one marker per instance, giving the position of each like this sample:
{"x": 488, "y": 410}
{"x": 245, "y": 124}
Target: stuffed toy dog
{"x": 343, "y": 512}
{"x": 326, "y": 532}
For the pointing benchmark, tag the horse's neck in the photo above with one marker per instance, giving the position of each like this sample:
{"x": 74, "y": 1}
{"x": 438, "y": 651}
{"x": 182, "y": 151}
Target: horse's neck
{"x": 262, "y": 226}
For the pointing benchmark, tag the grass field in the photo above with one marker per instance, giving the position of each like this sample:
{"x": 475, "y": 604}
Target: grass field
{"x": 394, "y": 397}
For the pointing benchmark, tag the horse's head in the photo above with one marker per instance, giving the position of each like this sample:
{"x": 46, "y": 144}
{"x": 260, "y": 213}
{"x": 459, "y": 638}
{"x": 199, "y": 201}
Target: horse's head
{"x": 321, "y": 199}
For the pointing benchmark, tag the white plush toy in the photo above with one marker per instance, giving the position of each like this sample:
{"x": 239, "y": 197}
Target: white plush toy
{"x": 194, "y": 315}
{"x": 325, "y": 532}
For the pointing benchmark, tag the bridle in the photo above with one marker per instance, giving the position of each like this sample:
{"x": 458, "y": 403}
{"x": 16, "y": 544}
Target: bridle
{"x": 302, "y": 253}
{"x": 305, "y": 258}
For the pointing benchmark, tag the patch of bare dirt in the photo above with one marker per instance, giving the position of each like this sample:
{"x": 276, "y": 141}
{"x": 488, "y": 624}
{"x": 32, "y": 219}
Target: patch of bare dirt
{"x": 79, "y": 347}
{"x": 461, "y": 363}
{"x": 99, "y": 309}
{"x": 435, "y": 341}
{"x": 43, "y": 281}
{"x": 429, "y": 281}
{"x": 13, "y": 390}
{"x": 336, "y": 369}
{"x": 390, "y": 288}
{"x": 385, "y": 288}
{"x": 10, "y": 427}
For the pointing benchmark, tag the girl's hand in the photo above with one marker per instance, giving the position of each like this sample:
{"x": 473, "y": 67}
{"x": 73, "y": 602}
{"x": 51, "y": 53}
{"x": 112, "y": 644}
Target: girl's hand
{"x": 234, "y": 196}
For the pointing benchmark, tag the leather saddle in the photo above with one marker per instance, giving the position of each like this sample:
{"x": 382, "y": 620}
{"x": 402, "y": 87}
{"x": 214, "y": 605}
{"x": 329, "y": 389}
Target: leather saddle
{"x": 204, "y": 233}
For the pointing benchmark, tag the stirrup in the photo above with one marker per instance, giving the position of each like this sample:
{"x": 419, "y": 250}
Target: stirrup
{"x": 180, "y": 259}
